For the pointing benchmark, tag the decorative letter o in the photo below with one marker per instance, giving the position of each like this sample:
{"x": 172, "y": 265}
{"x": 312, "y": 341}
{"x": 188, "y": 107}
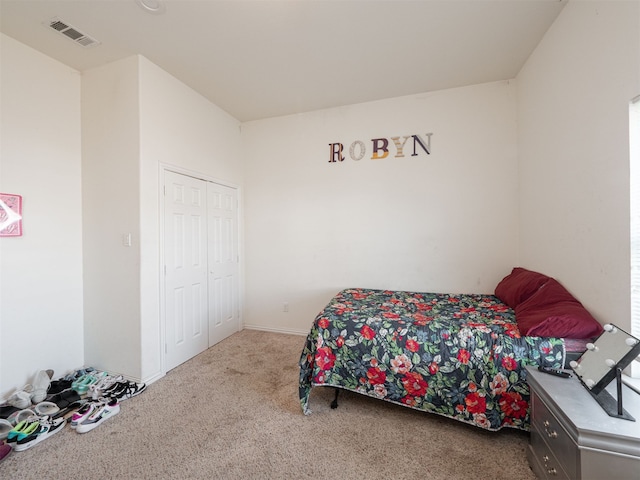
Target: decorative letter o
{"x": 352, "y": 150}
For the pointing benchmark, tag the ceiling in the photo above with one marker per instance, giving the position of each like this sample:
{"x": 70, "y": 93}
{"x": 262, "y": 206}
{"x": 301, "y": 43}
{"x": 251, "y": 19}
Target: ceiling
{"x": 261, "y": 58}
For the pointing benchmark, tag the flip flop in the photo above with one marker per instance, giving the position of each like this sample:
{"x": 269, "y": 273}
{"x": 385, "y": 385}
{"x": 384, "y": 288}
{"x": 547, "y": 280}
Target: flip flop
{"x": 7, "y": 410}
{"x": 71, "y": 408}
{"x": 46, "y": 408}
{"x": 64, "y": 399}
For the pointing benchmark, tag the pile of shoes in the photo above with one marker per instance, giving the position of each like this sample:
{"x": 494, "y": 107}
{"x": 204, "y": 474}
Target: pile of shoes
{"x": 87, "y": 397}
{"x": 104, "y": 395}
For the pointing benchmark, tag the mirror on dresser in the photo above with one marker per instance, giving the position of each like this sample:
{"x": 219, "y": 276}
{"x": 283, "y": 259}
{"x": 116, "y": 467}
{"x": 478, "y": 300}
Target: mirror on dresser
{"x": 602, "y": 362}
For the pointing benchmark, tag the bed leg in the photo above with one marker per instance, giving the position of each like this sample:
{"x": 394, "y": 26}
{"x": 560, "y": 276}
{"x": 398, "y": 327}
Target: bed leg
{"x": 334, "y": 403}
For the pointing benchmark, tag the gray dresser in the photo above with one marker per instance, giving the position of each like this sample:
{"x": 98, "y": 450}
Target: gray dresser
{"x": 573, "y": 438}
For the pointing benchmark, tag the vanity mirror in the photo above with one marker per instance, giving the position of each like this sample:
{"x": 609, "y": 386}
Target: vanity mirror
{"x": 602, "y": 362}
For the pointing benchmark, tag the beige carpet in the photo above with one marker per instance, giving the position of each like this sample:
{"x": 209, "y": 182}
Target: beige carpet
{"x": 233, "y": 413}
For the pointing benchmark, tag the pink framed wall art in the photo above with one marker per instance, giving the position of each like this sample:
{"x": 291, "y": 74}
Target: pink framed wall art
{"x": 10, "y": 215}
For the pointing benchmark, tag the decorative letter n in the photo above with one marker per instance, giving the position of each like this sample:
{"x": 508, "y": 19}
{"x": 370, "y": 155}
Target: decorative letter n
{"x": 426, "y": 148}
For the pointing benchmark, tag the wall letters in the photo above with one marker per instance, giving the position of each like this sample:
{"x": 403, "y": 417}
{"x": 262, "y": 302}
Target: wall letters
{"x": 380, "y": 148}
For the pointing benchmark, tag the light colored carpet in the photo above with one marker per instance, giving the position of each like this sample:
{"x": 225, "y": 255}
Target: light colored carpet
{"x": 233, "y": 412}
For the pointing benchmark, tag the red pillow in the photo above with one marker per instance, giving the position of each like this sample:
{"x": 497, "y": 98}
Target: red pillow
{"x": 519, "y": 285}
{"x": 553, "y": 312}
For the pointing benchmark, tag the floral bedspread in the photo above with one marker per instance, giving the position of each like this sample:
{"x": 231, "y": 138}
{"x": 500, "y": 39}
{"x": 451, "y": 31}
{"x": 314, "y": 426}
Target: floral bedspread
{"x": 460, "y": 356}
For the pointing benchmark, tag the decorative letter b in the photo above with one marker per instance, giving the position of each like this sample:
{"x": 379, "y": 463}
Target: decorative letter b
{"x": 376, "y": 147}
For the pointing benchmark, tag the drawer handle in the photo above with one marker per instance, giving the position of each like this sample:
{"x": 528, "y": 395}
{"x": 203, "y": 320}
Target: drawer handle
{"x": 550, "y": 433}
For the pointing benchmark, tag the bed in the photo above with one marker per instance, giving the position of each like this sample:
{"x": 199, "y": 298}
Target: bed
{"x": 457, "y": 355}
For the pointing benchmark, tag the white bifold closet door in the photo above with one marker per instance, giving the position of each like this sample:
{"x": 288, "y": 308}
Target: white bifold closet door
{"x": 223, "y": 262}
{"x": 201, "y": 266}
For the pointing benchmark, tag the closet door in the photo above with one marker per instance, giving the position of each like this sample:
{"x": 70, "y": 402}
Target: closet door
{"x": 186, "y": 268}
{"x": 224, "y": 315}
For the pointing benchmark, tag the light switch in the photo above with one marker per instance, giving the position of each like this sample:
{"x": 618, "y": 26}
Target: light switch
{"x": 126, "y": 239}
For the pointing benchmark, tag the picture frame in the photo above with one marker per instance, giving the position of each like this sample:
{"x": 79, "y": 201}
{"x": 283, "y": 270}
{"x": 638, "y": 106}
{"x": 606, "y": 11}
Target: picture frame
{"x": 10, "y": 215}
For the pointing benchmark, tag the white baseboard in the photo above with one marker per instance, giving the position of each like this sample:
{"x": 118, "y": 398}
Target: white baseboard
{"x": 154, "y": 378}
{"x": 276, "y": 330}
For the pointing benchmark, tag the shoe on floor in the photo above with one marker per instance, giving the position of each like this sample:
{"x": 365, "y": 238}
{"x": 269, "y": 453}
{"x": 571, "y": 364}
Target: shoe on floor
{"x": 40, "y": 386}
{"x": 46, "y": 408}
{"x": 5, "y": 428}
{"x": 22, "y": 398}
{"x": 23, "y": 429}
{"x": 7, "y": 410}
{"x": 46, "y": 428}
{"x": 125, "y": 390}
{"x": 64, "y": 398}
{"x": 20, "y": 415}
{"x": 58, "y": 386}
{"x": 68, "y": 411}
{"x": 102, "y": 413}
{"x": 5, "y": 450}
{"x": 81, "y": 385}
{"x": 84, "y": 412}
{"x": 79, "y": 373}
{"x": 105, "y": 383}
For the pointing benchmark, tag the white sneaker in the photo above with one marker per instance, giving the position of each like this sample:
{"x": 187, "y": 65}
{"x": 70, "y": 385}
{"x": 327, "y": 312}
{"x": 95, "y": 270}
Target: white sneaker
{"x": 96, "y": 391}
{"x": 46, "y": 428}
{"x": 41, "y": 386}
{"x": 104, "y": 412}
{"x": 22, "y": 398}
{"x": 84, "y": 412}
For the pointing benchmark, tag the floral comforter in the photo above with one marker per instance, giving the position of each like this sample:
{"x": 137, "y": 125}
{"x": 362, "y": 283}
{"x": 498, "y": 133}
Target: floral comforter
{"x": 460, "y": 356}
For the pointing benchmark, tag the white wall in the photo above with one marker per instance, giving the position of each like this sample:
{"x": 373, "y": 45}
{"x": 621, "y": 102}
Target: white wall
{"x": 178, "y": 128}
{"x": 441, "y": 222}
{"x": 573, "y": 100}
{"x": 111, "y": 208}
{"x": 41, "y": 272}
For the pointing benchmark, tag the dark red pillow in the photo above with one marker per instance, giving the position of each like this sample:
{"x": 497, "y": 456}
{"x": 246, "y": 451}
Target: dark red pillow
{"x": 519, "y": 285}
{"x": 553, "y": 312}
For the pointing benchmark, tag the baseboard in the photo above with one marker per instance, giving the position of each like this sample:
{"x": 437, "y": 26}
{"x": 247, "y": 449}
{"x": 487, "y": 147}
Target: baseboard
{"x": 276, "y": 330}
{"x": 154, "y": 378}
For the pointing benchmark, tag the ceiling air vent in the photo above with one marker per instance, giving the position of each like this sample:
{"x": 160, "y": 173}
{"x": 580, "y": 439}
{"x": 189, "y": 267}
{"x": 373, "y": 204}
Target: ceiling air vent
{"x": 72, "y": 33}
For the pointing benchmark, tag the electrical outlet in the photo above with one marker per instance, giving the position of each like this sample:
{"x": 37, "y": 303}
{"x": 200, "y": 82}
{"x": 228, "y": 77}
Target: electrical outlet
{"x": 285, "y": 307}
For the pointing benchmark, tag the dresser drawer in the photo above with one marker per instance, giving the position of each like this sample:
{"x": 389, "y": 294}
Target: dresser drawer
{"x": 546, "y": 429}
{"x": 542, "y": 459}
